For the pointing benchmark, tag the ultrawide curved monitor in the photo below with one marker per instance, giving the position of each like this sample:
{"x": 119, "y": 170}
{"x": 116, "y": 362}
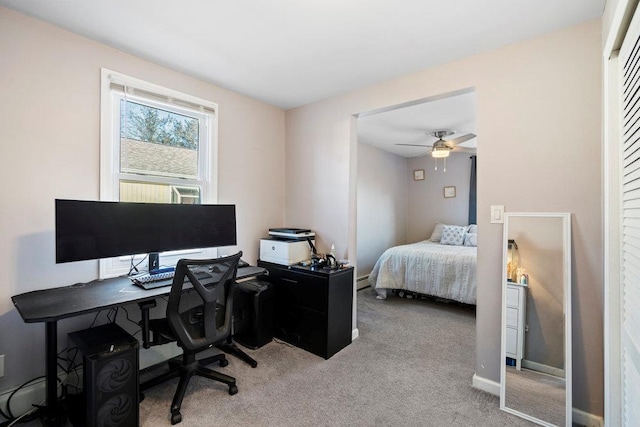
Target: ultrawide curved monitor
{"x": 92, "y": 229}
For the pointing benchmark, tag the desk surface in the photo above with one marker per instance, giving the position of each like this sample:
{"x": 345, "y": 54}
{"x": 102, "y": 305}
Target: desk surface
{"x": 53, "y": 304}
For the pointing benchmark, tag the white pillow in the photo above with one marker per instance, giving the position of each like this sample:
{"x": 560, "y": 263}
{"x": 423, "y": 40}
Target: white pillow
{"x": 472, "y": 229}
{"x": 437, "y": 233}
{"x": 453, "y": 235}
{"x": 471, "y": 239}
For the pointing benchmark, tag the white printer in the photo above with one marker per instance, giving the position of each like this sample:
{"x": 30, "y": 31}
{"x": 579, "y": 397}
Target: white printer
{"x": 287, "y": 246}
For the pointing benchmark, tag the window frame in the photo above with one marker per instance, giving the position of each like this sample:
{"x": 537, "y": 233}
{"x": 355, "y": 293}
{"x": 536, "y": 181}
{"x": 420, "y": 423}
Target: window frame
{"x": 110, "y": 174}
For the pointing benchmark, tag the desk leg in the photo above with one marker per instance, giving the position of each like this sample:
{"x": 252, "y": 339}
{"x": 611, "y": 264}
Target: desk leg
{"x": 52, "y": 416}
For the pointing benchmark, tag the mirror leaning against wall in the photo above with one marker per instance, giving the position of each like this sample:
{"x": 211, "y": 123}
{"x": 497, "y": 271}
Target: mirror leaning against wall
{"x": 536, "y": 317}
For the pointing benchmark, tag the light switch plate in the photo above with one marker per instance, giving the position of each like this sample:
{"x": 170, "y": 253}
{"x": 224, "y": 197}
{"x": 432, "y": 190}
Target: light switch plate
{"x": 497, "y": 214}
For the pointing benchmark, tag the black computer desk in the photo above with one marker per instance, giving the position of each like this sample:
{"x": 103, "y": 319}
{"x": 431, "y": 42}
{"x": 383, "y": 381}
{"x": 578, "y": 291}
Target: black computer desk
{"x": 51, "y": 305}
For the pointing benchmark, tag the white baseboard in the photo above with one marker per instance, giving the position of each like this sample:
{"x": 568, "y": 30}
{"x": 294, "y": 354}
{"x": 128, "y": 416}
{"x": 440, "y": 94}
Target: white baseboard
{"x": 586, "y": 419}
{"x": 362, "y": 282}
{"x": 486, "y": 385}
{"x": 355, "y": 333}
{"x": 556, "y": 372}
{"x": 24, "y": 399}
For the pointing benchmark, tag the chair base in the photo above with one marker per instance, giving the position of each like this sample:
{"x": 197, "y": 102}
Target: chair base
{"x": 185, "y": 369}
{"x": 231, "y": 348}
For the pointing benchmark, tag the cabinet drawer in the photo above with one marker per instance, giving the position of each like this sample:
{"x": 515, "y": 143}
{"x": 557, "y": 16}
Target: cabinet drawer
{"x": 304, "y": 328}
{"x": 294, "y": 288}
{"x": 512, "y": 342}
{"x": 512, "y": 317}
{"x": 513, "y": 296}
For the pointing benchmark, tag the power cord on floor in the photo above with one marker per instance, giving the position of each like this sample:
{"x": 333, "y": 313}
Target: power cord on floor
{"x": 282, "y": 342}
{"x": 30, "y": 415}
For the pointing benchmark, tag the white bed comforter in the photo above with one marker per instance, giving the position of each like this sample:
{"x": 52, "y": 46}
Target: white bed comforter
{"x": 428, "y": 268}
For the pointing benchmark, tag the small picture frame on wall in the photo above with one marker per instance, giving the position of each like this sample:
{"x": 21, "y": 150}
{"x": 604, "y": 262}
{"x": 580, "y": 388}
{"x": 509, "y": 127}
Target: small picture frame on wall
{"x": 418, "y": 175}
{"x": 449, "y": 192}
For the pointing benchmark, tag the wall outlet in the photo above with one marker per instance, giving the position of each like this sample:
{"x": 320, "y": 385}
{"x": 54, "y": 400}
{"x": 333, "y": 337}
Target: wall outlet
{"x": 1, "y": 365}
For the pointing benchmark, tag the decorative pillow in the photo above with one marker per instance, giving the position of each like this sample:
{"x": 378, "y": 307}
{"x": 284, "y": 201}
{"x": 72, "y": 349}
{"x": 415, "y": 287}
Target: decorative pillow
{"x": 471, "y": 239}
{"x": 472, "y": 229}
{"x": 437, "y": 233}
{"x": 453, "y": 235}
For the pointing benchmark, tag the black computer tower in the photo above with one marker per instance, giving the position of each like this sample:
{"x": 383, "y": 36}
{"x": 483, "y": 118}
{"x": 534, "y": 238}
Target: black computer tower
{"x": 110, "y": 393}
{"x": 253, "y": 313}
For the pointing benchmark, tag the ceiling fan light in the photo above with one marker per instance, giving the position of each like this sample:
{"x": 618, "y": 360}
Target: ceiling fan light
{"x": 440, "y": 152}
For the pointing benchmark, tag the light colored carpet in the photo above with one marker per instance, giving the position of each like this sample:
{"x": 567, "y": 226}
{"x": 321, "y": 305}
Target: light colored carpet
{"x": 411, "y": 366}
{"x": 537, "y": 394}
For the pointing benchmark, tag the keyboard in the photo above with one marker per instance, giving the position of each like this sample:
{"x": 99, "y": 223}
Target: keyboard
{"x": 163, "y": 278}
{"x": 154, "y": 280}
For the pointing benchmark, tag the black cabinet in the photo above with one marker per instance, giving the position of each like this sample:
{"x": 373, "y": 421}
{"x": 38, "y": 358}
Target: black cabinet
{"x": 312, "y": 307}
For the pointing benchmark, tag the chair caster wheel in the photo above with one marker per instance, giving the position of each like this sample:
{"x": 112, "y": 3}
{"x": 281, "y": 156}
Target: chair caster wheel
{"x": 176, "y": 418}
{"x": 223, "y": 363}
{"x": 233, "y": 389}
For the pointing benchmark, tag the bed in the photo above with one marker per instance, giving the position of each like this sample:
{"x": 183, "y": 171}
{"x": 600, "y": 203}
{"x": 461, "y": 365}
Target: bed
{"x": 428, "y": 268}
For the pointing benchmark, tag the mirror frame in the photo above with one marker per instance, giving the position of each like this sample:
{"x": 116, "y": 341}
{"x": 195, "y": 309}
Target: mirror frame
{"x": 566, "y": 242}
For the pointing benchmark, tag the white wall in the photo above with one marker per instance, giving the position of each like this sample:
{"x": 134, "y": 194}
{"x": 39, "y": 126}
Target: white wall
{"x": 539, "y": 129}
{"x": 382, "y": 204}
{"x": 49, "y": 133}
{"x": 427, "y": 204}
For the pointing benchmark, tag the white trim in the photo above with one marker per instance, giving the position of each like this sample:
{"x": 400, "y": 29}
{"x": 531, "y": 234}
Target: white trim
{"x": 612, "y": 244}
{"x": 567, "y": 282}
{"x": 123, "y": 79}
{"x": 355, "y": 333}
{"x": 545, "y": 369}
{"x": 207, "y": 160}
{"x": 486, "y": 385}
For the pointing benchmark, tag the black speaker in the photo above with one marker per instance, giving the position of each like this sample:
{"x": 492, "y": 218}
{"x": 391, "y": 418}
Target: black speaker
{"x": 253, "y": 313}
{"x": 110, "y": 394}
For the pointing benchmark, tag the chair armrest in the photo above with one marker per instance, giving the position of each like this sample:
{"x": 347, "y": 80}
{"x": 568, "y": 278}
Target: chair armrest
{"x": 145, "y": 306}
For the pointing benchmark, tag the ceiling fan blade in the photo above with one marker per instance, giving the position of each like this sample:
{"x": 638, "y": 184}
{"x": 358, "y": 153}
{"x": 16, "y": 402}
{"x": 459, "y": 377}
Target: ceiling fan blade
{"x": 461, "y": 139}
{"x": 416, "y": 145}
{"x": 465, "y": 150}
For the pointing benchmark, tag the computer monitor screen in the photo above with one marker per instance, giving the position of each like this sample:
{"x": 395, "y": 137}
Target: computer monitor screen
{"x": 93, "y": 230}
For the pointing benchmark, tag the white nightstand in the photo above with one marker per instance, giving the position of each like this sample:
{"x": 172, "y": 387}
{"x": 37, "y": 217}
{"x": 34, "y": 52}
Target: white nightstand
{"x": 516, "y": 310}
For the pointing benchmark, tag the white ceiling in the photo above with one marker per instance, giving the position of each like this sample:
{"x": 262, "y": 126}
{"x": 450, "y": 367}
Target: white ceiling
{"x": 291, "y": 52}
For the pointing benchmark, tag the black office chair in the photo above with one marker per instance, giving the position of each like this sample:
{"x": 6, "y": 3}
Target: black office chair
{"x": 197, "y": 321}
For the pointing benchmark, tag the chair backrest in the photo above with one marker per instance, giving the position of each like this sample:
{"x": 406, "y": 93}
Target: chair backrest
{"x": 202, "y": 318}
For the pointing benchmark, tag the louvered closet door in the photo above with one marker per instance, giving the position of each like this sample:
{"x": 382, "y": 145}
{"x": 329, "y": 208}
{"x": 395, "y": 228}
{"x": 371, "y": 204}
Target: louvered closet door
{"x": 630, "y": 253}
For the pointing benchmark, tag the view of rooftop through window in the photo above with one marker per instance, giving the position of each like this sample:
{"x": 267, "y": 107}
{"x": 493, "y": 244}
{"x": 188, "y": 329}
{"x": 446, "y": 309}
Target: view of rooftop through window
{"x": 158, "y": 144}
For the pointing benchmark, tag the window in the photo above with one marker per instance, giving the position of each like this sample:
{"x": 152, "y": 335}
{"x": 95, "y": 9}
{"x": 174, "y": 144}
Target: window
{"x": 156, "y": 145}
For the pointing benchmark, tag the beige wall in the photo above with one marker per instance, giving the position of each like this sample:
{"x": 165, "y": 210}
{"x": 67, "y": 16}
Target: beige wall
{"x": 49, "y": 148}
{"x": 427, "y": 204}
{"x": 539, "y": 138}
{"x": 382, "y": 204}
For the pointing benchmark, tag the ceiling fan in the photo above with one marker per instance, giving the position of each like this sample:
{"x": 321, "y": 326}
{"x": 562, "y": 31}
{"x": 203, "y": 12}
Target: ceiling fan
{"x": 440, "y": 149}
